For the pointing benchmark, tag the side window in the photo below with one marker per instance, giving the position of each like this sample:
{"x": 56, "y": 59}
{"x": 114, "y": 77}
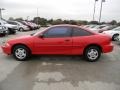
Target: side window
{"x": 0, "y": 23}
{"x": 13, "y": 23}
{"x": 80, "y": 32}
{"x": 58, "y": 32}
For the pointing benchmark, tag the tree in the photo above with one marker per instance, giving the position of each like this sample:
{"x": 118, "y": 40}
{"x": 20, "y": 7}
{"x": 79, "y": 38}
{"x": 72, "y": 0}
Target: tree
{"x": 118, "y": 23}
{"x": 66, "y": 21}
{"x": 79, "y": 22}
{"x": 93, "y": 22}
{"x": 50, "y": 21}
{"x": 57, "y": 21}
{"x": 41, "y": 21}
{"x": 19, "y": 19}
{"x": 113, "y": 22}
{"x": 73, "y": 22}
{"x": 11, "y": 18}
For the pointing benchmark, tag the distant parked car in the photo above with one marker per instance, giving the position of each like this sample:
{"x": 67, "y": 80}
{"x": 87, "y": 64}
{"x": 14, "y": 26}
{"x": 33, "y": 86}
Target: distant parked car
{"x": 28, "y": 24}
{"x": 11, "y": 28}
{"x": 35, "y": 26}
{"x": 114, "y": 33}
{"x": 107, "y": 28}
{"x": 90, "y": 26}
{"x": 19, "y": 25}
{"x": 3, "y": 30}
{"x": 97, "y": 28}
{"x": 60, "y": 40}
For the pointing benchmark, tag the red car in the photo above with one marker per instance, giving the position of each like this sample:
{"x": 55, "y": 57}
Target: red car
{"x": 60, "y": 40}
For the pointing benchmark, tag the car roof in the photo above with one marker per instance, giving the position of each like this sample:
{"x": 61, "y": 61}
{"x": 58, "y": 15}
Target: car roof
{"x": 69, "y": 25}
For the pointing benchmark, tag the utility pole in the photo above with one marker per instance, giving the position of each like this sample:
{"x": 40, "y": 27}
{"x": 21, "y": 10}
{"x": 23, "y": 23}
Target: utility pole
{"x": 1, "y": 12}
{"x": 101, "y": 10}
{"x": 37, "y": 15}
{"x": 94, "y": 10}
{"x": 27, "y": 18}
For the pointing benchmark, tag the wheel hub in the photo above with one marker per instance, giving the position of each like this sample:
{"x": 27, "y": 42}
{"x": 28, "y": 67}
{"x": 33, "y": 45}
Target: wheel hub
{"x": 92, "y": 54}
{"x": 20, "y": 53}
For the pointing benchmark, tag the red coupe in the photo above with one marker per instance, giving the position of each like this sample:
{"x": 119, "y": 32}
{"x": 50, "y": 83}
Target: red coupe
{"x": 60, "y": 40}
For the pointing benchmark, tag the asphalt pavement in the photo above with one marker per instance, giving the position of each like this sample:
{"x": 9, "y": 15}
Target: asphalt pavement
{"x": 59, "y": 72}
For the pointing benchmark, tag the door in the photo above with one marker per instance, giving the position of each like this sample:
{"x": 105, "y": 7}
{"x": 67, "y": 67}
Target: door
{"x": 80, "y": 39}
{"x": 56, "y": 40}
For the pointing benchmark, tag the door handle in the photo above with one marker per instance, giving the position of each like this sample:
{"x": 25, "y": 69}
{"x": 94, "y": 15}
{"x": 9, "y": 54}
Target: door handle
{"x": 67, "y": 40}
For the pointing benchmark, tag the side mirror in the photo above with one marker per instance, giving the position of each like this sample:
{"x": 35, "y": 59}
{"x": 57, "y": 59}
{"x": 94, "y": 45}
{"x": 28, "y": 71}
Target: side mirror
{"x": 41, "y": 36}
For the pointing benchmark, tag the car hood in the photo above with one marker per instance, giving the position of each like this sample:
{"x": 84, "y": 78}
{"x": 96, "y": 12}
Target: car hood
{"x": 21, "y": 39}
{"x": 9, "y": 25}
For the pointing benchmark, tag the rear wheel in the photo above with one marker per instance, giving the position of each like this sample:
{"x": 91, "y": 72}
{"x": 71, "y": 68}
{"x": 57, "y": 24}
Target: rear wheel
{"x": 92, "y": 53}
{"x": 21, "y": 52}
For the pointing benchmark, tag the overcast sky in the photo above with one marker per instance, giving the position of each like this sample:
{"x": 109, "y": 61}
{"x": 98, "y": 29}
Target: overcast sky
{"x": 65, "y": 9}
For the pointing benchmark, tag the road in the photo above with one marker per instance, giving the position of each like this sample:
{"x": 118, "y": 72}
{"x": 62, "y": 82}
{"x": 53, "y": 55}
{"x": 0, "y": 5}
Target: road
{"x": 59, "y": 72}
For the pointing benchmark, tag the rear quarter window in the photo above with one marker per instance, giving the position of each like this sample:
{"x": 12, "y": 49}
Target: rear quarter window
{"x": 81, "y": 32}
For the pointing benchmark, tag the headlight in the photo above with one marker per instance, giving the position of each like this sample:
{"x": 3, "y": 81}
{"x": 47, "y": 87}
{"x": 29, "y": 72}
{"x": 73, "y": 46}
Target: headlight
{"x": 5, "y": 44}
{"x": 4, "y": 28}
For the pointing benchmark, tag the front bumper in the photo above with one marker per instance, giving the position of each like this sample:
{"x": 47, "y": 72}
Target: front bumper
{"x": 3, "y": 32}
{"x": 26, "y": 28}
{"x": 107, "y": 48}
{"x": 6, "y": 49}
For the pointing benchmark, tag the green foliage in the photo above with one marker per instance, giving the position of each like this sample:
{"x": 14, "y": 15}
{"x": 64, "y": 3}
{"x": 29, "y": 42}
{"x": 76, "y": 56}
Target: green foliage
{"x": 19, "y": 19}
{"x": 11, "y": 18}
{"x": 44, "y": 22}
{"x": 41, "y": 21}
{"x": 113, "y": 22}
{"x": 94, "y": 22}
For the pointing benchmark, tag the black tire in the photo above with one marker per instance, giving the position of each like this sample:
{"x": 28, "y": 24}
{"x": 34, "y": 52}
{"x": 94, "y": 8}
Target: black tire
{"x": 21, "y": 29}
{"x": 2, "y": 34}
{"x": 11, "y": 31}
{"x": 21, "y": 47}
{"x": 87, "y": 52}
{"x": 114, "y": 37}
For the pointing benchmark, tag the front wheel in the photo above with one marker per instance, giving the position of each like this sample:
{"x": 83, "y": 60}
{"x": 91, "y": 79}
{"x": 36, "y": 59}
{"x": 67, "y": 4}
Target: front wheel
{"x": 92, "y": 53}
{"x": 21, "y": 53}
{"x": 21, "y": 29}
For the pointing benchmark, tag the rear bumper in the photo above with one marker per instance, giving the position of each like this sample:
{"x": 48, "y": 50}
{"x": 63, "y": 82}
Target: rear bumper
{"x": 107, "y": 48}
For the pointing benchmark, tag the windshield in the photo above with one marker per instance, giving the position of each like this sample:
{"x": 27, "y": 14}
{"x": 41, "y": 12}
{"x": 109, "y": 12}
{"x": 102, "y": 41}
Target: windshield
{"x": 91, "y": 26}
{"x": 4, "y": 22}
{"x": 19, "y": 23}
{"x": 34, "y": 34}
{"x": 13, "y": 23}
{"x": 108, "y": 27}
{"x": 117, "y": 29}
{"x": 99, "y": 27}
{"x": 96, "y": 27}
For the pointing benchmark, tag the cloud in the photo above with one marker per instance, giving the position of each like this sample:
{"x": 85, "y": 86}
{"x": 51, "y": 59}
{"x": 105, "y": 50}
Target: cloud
{"x": 66, "y": 9}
